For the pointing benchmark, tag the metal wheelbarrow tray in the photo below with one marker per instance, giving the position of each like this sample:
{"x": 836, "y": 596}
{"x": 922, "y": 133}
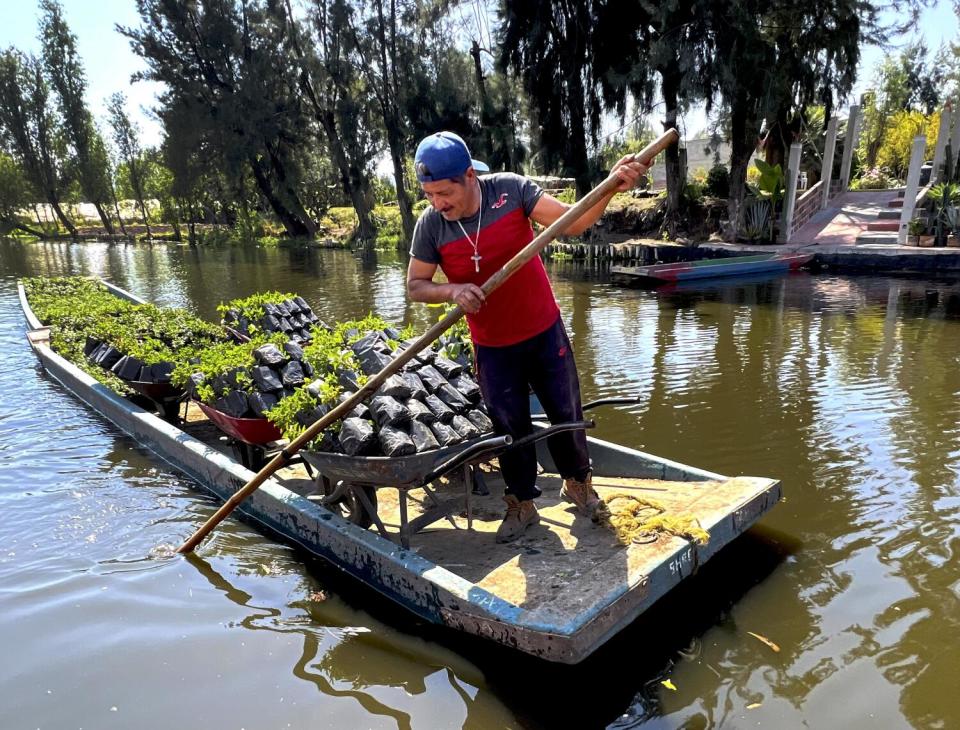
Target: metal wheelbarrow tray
{"x": 349, "y": 483}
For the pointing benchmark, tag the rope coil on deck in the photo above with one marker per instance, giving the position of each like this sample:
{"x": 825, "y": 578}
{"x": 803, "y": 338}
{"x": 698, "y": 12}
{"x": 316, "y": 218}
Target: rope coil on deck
{"x": 642, "y": 520}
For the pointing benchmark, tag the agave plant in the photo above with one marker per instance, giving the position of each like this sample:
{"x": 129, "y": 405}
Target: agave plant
{"x": 943, "y": 196}
{"x": 756, "y": 218}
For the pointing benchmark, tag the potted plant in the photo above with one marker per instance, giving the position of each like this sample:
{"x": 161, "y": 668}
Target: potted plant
{"x": 943, "y": 196}
{"x": 915, "y": 227}
{"x": 952, "y": 217}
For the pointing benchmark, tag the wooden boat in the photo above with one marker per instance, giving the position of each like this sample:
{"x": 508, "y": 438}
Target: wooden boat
{"x": 709, "y": 268}
{"x": 559, "y": 592}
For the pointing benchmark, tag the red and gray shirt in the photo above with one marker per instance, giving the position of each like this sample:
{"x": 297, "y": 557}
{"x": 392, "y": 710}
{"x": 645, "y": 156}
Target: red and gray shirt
{"x": 524, "y": 305}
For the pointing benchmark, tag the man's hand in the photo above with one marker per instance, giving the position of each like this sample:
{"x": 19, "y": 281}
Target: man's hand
{"x": 469, "y": 297}
{"x": 629, "y": 170}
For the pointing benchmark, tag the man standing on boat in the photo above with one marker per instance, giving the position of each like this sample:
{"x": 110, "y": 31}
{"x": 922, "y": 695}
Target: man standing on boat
{"x": 473, "y": 227}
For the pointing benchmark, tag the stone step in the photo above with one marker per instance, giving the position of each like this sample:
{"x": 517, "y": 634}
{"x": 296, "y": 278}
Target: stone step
{"x": 883, "y": 225}
{"x": 889, "y": 213}
{"x": 877, "y": 237}
{"x": 898, "y": 203}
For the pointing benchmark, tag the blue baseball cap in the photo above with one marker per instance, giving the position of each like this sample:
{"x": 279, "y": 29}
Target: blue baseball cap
{"x": 443, "y": 156}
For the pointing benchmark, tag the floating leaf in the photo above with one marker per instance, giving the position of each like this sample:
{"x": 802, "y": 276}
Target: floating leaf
{"x": 754, "y": 705}
{"x": 765, "y": 640}
{"x": 669, "y": 685}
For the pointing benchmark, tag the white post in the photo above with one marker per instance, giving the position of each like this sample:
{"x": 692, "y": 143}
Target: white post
{"x": 913, "y": 185}
{"x": 826, "y": 172}
{"x": 955, "y": 140}
{"x": 793, "y": 172}
{"x": 849, "y": 142}
{"x": 939, "y": 151}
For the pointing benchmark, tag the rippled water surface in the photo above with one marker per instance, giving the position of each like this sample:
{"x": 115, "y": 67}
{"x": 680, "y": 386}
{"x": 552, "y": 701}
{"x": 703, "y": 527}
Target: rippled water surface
{"x": 845, "y": 388}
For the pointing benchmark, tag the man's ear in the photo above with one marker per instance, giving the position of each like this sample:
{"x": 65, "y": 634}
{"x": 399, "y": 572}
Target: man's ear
{"x": 470, "y": 176}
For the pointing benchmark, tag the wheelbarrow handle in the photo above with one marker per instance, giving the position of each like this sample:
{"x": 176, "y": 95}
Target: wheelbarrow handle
{"x": 611, "y": 402}
{"x": 550, "y": 431}
{"x": 471, "y": 452}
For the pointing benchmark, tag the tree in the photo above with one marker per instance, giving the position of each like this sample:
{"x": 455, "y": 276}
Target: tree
{"x": 328, "y": 81}
{"x": 31, "y": 130}
{"x": 14, "y": 197}
{"x": 384, "y": 39}
{"x": 64, "y": 71}
{"x": 234, "y": 60}
{"x": 549, "y": 46}
{"x": 126, "y": 136}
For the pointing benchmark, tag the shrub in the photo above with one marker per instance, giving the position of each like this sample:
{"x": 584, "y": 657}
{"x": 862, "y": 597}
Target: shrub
{"x": 718, "y": 182}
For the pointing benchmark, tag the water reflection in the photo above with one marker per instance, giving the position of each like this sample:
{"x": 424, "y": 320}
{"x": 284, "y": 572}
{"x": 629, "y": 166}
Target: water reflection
{"x": 845, "y": 388}
{"x": 347, "y": 655}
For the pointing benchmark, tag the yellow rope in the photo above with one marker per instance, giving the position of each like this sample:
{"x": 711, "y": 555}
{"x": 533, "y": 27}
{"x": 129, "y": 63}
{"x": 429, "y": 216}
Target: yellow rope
{"x": 640, "y": 517}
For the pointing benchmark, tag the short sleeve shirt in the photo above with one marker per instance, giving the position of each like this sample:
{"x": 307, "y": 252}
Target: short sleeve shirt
{"x": 524, "y": 305}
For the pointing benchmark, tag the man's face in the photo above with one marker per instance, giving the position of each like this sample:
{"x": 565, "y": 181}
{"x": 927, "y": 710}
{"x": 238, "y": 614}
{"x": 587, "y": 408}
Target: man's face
{"x": 450, "y": 198}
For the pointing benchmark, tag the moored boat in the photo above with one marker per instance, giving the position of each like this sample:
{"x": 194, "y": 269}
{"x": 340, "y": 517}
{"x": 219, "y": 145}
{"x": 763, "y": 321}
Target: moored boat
{"x": 709, "y": 268}
{"x": 559, "y": 592}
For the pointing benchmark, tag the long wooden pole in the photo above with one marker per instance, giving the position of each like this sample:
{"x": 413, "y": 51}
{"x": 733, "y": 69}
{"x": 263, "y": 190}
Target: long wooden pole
{"x": 645, "y": 156}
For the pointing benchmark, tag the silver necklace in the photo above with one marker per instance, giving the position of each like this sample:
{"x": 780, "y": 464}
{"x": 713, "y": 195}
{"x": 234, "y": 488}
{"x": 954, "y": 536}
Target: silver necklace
{"x": 476, "y": 255}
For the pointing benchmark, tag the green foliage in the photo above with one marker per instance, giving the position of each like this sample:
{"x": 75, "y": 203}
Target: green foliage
{"x": 252, "y": 307}
{"x": 875, "y": 178}
{"x": 756, "y": 214}
{"x": 220, "y": 359}
{"x": 75, "y": 308}
{"x": 944, "y": 196}
{"x": 718, "y": 182}
{"x": 894, "y": 151}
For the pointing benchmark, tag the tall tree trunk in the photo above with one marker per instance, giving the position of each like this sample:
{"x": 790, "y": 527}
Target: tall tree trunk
{"x": 743, "y": 143}
{"x": 352, "y": 180}
{"x": 294, "y": 204}
{"x": 577, "y": 164}
{"x": 485, "y": 121}
{"x": 67, "y": 223}
{"x": 104, "y": 218}
{"x": 395, "y": 141}
{"x": 116, "y": 208}
{"x": 675, "y": 175}
{"x": 291, "y": 224}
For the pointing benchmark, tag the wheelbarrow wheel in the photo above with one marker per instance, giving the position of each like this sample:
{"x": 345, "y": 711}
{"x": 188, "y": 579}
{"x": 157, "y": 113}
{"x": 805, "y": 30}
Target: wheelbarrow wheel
{"x": 349, "y": 505}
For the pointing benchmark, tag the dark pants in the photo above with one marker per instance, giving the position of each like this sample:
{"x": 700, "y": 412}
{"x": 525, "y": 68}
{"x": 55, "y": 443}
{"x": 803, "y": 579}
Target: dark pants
{"x": 506, "y": 374}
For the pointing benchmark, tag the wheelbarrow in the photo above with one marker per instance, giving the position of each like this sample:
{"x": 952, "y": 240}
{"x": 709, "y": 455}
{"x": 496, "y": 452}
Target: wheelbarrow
{"x": 349, "y": 484}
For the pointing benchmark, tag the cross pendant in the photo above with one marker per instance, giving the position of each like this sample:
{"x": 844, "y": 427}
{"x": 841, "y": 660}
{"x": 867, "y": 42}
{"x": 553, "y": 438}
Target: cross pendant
{"x": 476, "y": 262}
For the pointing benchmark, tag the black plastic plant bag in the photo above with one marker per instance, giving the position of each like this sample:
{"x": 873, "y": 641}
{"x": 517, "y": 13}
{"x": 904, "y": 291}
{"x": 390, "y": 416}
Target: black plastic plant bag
{"x": 415, "y": 385}
{"x": 266, "y": 379}
{"x": 463, "y": 426}
{"x": 193, "y": 383}
{"x": 348, "y": 380}
{"x": 467, "y": 387}
{"x": 453, "y": 398}
{"x": 293, "y": 350}
{"x": 441, "y": 410}
{"x": 395, "y": 442}
{"x": 395, "y": 387}
{"x": 90, "y": 345}
{"x": 357, "y": 437}
{"x": 233, "y": 404}
{"x": 270, "y": 323}
{"x": 388, "y": 411}
{"x": 431, "y": 378}
{"x": 292, "y": 374}
{"x": 159, "y": 373}
{"x": 309, "y": 417}
{"x": 128, "y": 368}
{"x": 448, "y": 368}
{"x": 422, "y": 437}
{"x": 268, "y": 354}
{"x": 445, "y": 435}
{"x": 419, "y": 411}
{"x": 480, "y": 420}
{"x": 372, "y": 360}
{"x": 360, "y": 410}
{"x": 261, "y": 403}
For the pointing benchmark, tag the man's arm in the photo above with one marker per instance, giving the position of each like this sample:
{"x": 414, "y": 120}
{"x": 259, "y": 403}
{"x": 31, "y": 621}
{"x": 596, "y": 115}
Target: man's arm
{"x": 548, "y": 208}
{"x": 422, "y": 288}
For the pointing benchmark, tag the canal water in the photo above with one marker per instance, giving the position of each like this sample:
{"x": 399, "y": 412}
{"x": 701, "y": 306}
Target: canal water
{"x": 845, "y": 388}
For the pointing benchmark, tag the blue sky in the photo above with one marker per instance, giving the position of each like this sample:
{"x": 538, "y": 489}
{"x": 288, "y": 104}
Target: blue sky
{"x": 110, "y": 62}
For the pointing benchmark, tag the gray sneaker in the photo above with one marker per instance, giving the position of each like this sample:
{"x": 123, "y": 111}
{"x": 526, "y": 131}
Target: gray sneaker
{"x": 520, "y": 515}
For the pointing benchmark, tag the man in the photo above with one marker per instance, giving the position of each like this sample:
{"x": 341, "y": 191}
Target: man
{"x": 476, "y": 225}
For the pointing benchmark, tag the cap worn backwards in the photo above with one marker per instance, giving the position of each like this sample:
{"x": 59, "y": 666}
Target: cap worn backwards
{"x": 442, "y": 156}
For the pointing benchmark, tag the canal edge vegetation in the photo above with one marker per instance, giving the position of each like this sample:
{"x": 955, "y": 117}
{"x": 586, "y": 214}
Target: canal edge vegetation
{"x": 373, "y": 82}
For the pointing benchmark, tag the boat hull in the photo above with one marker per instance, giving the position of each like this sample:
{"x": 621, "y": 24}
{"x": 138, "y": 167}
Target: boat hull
{"x": 565, "y": 630}
{"x": 710, "y": 269}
